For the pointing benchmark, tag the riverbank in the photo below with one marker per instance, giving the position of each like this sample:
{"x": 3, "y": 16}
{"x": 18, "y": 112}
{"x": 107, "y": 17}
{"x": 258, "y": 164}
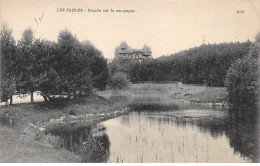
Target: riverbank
{"x": 22, "y": 126}
{"x": 167, "y": 93}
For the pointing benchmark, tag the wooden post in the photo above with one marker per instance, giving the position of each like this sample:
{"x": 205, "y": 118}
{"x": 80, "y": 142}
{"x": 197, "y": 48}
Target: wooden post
{"x": 32, "y": 100}
{"x": 11, "y": 100}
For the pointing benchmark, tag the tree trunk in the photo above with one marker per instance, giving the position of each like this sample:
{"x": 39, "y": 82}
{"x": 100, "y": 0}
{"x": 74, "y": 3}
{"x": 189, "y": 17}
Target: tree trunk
{"x": 32, "y": 100}
{"x": 80, "y": 93}
{"x": 11, "y": 100}
{"x": 6, "y": 103}
{"x": 71, "y": 143}
{"x": 74, "y": 92}
{"x": 45, "y": 99}
{"x": 69, "y": 95}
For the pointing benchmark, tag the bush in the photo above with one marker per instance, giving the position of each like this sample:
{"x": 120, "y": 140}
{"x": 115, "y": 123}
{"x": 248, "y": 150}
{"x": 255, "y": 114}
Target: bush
{"x": 119, "y": 81}
{"x": 241, "y": 79}
{"x": 241, "y": 82}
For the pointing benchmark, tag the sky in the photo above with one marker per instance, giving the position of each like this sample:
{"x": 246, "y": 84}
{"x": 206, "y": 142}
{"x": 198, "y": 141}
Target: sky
{"x": 167, "y": 26}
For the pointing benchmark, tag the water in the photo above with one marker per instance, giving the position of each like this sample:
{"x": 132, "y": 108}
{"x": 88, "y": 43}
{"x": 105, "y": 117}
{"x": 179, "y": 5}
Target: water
{"x": 149, "y": 137}
{"x": 190, "y": 134}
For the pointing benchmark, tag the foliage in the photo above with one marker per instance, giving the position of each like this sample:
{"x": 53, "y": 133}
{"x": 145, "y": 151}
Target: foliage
{"x": 8, "y": 52}
{"x": 54, "y": 68}
{"x": 119, "y": 81}
{"x": 121, "y": 65}
{"x": 151, "y": 70}
{"x": 99, "y": 70}
{"x": 207, "y": 64}
{"x": 75, "y": 66}
{"x": 26, "y": 60}
{"x": 241, "y": 80}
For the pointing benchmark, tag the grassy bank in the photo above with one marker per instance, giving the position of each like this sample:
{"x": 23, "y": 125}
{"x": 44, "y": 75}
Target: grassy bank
{"x": 170, "y": 92}
{"x": 21, "y": 128}
{"x": 22, "y": 125}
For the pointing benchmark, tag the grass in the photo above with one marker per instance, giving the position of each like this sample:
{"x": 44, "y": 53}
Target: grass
{"x": 168, "y": 93}
{"x": 29, "y": 149}
{"x": 186, "y": 92}
{"x": 21, "y": 142}
{"x": 163, "y": 97}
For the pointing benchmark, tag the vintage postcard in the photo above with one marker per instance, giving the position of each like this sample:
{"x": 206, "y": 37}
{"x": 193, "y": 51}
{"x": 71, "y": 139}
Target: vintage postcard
{"x": 129, "y": 81}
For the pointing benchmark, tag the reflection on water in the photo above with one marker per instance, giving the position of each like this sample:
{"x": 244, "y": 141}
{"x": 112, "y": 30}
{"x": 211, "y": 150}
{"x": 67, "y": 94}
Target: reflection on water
{"x": 146, "y": 137}
{"x": 184, "y": 135}
{"x": 243, "y": 134}
{"x": 90, "y": 142}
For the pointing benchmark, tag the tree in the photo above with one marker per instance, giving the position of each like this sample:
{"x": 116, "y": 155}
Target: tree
{"x": 80, "y": 65}
{"x": 119, "y": 81}
{"x": 241, "y": 81}
{"x": 98, "y": 65}
{"x": 99, "y": 71}
{"x": 27, "y": 62}
{"x": 70, "y": 66}
{"x": 199, "y": 65}
{"x": 8, "y": 75}
{"x": 66, "y": 60}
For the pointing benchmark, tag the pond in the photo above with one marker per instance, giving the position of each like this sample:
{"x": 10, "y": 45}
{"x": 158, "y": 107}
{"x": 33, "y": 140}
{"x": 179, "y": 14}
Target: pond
{"x": 189, "y": 134}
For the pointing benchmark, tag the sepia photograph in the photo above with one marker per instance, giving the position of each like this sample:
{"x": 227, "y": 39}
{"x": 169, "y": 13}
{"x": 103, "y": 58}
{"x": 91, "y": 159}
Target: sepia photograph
{"x": 129, "y": 81}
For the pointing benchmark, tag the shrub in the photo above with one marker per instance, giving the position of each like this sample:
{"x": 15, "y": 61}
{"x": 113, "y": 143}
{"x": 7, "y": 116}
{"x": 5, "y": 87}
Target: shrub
{"x": 119, "y": 81}
{"x": 242, "y": 77}
{"x": 241, "y": 82}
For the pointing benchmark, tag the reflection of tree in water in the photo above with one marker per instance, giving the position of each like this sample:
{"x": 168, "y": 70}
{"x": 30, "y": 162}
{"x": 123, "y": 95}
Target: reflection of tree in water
{"x": 82, "y": 141}
{"x": 240, "y": 126}
{"x": 96, "y": 149}
{"x": 243, "y": 132}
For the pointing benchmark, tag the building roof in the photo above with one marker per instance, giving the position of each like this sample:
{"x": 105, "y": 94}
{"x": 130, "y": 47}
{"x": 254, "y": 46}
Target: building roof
{"x": 127, "y": 50}
{"x": 124, "y": 51}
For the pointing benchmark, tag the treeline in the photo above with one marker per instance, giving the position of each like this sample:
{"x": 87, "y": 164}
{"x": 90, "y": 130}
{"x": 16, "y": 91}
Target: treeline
{"x": 65, "y": 67}
{"x": 207, "y": 64}
{"x": 242, "y": 83}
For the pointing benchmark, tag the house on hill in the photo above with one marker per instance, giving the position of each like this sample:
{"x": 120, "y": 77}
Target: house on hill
{"x": 125, "y": 52}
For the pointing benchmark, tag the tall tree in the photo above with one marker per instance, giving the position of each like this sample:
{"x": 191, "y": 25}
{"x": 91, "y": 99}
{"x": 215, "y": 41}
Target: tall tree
{"x": 8, "y": 74}
{"x": 46, "y": 78}
{"x": 241, "y": 82}
{"x": 73, "y": 65}
{"x": 27, "y": 62}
